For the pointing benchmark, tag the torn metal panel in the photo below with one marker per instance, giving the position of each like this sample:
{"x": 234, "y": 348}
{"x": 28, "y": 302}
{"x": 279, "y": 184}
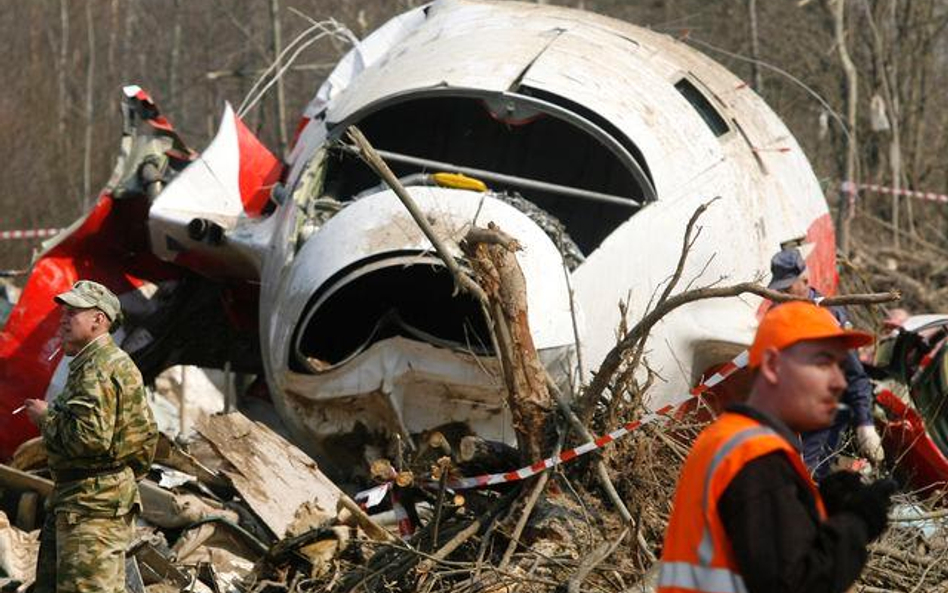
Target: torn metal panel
{"x": 271, "y": 475}
{"x": 377, "y": 232}
{"x": 172, "y": 511}
{"x": 396, "y": 387}
{"x": 227, "y": 570}
{"x": 155, "y": 568}
{"x": 228, "y": 185}
{"x": 481, "y": 55}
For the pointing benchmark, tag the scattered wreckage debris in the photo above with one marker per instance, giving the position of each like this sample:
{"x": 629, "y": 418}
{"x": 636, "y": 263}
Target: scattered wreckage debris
{"x": 18, "y": 551}
{"x": 206, "y": 519}
{"x": 911, "y": 554}
{"x": 261, "y": 463}
{"x": 243, "y": 509}
{"x": 572, "y": 541}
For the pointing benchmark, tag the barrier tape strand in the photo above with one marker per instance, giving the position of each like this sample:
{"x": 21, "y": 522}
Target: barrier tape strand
{"x": 851, "y": 188}
{"x": 28, "y": 234}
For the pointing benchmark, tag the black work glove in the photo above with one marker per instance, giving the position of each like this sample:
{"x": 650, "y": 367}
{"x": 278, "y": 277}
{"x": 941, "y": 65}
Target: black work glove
{"x": 837, "y": 488}
{"x": 871, "y": 503}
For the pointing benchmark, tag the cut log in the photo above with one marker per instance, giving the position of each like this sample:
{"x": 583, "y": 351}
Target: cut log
{"x": 437, "y": 440}
{"x": 477, "y": 455}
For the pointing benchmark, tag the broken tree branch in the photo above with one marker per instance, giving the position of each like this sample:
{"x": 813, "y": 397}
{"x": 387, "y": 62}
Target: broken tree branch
{"x": 589, "y": 563}
{"x": 687, "y": 241}
{"x": 371, "y": 157}
{"x": 602, "y": 472}
{"x": 371, "y": 528}
{"x": 491, "y": 254}
{"x": 614, "y": 358}
{"x": 444, "y": 466}
{"x": 455, "y": 542}
{"x": 538, "y": 488}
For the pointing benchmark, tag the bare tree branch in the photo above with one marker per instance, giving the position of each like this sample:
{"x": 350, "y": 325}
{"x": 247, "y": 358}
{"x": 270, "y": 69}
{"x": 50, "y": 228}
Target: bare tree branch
{"x": 613, "y": 359}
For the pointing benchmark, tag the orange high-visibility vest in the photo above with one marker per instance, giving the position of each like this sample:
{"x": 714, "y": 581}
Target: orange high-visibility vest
{"x": 697, "y": 555}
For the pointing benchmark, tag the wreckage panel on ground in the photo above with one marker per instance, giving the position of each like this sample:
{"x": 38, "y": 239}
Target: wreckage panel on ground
{"x": 274, "y": 477}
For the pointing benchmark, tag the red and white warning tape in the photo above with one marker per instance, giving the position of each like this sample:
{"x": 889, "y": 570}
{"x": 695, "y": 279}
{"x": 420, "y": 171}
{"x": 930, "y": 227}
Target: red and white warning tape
{"x": 28, "y": 234}
{"x": 375, "y": 495}
{"x": 849, "y": 187}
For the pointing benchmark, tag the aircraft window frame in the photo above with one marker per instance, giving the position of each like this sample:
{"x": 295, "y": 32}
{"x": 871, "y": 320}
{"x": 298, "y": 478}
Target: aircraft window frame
{"x": 691, "y": 91}
{"x": 635, "y": 163}
{"x": 577, "y": 212}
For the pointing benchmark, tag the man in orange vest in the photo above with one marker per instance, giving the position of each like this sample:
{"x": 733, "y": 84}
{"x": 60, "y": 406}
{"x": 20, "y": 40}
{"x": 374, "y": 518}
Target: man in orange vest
{"x": 747, "y": 517}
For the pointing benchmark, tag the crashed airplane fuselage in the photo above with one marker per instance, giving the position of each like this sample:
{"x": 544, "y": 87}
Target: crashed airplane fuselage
{"x": 596, "y": 141}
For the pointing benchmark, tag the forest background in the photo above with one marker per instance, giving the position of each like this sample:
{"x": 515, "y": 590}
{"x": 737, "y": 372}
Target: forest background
{"x": 860, "y": 83}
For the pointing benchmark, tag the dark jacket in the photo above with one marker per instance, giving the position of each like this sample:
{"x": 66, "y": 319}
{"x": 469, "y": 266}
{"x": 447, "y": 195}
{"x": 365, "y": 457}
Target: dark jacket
{"x": 776, "y": 533}
{"x": 858, "y": 394}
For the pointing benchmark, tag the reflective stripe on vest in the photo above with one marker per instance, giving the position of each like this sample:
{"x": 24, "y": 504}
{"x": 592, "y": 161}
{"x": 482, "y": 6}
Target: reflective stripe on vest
{"x": 683, "y": 575}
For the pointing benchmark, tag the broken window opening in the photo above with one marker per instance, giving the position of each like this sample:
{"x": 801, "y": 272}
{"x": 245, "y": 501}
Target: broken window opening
{"x": 703, "y": 106}
{"x": 415, "y": 301}
{"x": 463, "y": 131}
{"x": 600, "y": 121}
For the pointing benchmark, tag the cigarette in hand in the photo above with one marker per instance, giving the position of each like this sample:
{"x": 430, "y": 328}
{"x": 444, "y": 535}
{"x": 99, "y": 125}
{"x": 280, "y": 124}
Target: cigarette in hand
{"x": 55, "y": 352}
{"x": 18, "y": 410}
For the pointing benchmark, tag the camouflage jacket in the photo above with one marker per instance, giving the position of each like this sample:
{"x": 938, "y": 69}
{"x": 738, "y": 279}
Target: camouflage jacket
{"x": 101, "y": 421}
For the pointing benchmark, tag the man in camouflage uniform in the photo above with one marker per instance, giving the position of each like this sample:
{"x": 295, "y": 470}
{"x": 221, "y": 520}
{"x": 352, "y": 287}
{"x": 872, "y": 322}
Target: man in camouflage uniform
{"x": 100, "y": 435}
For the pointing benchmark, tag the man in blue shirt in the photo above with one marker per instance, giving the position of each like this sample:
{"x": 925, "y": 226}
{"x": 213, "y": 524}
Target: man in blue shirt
{"x": 821, "y": 446}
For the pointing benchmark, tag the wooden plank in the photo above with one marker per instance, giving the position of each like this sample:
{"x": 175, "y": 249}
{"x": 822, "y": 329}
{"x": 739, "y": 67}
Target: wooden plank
{"x": 16, "y": 479}
{"x": 154, "y": 500}
{"x": 271, "y": 474}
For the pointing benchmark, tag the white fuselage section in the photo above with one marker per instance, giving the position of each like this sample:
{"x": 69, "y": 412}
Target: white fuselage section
{"x": 676, "y": 126}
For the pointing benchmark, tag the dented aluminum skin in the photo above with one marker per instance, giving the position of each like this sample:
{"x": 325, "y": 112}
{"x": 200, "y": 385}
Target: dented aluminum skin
{"x": 400, "y": 385}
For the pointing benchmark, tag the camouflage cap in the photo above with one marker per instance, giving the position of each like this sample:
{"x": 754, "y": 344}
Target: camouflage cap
{"x": 86, "y": 294}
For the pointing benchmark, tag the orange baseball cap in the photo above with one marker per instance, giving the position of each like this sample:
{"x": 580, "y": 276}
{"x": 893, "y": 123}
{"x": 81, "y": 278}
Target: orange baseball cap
{"x": 798, "y": 321}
